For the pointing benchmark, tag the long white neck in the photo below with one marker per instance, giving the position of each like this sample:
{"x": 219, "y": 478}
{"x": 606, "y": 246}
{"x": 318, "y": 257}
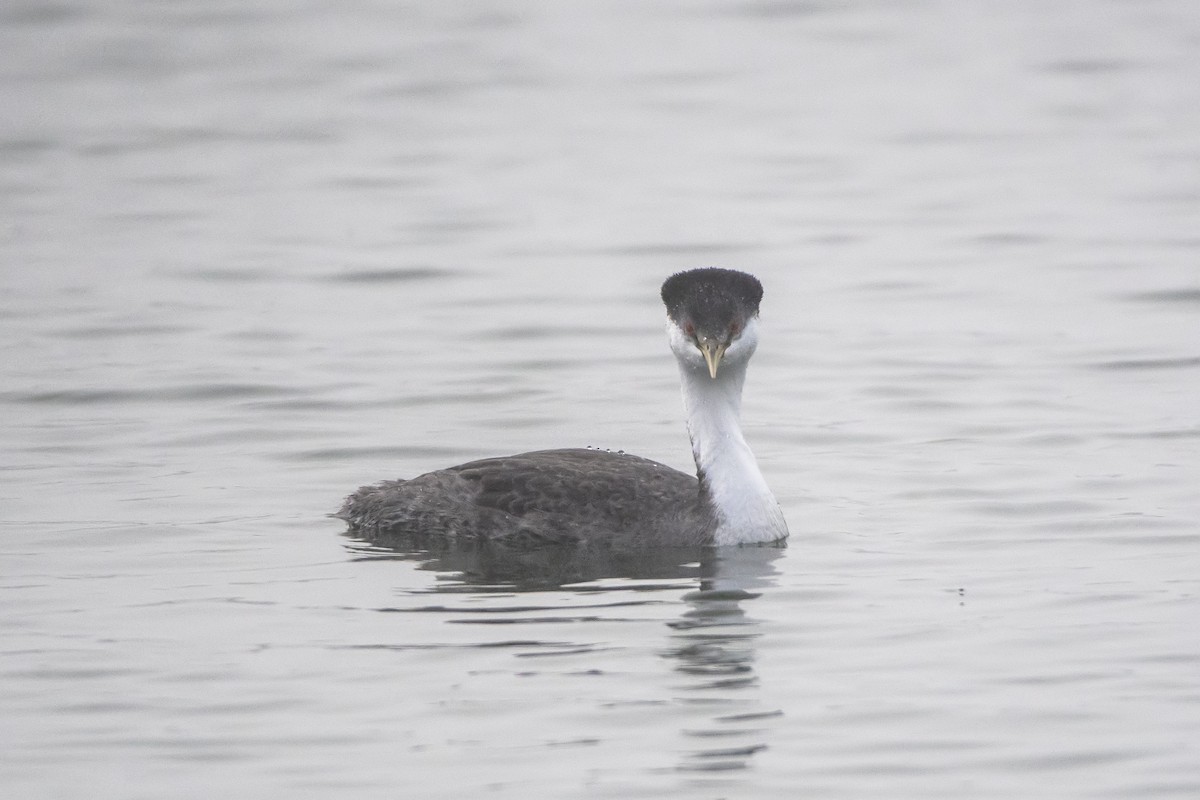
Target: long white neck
{"x": 747, "y": 512}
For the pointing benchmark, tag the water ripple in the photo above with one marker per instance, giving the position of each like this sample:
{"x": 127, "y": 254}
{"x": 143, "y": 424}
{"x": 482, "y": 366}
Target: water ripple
{"x": 1186, "y": 362}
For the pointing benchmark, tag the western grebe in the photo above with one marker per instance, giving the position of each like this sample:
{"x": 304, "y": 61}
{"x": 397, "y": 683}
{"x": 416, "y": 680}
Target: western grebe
{"x": 585, "y": 496}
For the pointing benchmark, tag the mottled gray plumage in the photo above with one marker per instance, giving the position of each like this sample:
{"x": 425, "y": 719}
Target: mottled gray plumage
{"x": 547, "y": 496}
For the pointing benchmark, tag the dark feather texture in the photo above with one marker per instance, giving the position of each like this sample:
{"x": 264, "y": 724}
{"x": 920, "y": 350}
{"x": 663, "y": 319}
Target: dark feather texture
{"x": 548, "y": 496}
{"x": 712, "y": 300}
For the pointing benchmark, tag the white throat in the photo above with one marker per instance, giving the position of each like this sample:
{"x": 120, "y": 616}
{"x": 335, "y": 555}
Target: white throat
{"x": 747, "y": 512}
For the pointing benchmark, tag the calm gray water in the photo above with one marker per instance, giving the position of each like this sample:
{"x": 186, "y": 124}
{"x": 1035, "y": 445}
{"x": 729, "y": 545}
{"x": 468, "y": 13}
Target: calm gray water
{"x": 255, "y": 255}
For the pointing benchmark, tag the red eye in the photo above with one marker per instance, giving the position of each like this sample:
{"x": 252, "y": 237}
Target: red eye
{"x": 734, "y": 329}
{"x": 689, "y": 329}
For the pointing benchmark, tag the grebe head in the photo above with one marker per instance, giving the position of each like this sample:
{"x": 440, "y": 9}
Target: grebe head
{"x": 712, "y": 317}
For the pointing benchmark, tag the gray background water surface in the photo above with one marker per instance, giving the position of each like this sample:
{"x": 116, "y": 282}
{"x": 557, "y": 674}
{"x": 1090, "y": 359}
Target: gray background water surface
{"x": 253, "y": 255}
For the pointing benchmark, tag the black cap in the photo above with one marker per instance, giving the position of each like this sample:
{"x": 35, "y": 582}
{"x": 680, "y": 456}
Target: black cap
{"x": 712, "y": 299}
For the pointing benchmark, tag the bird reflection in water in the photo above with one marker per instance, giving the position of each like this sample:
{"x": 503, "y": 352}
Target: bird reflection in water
{"x": 476, "y": 565}
{"x": 713, "y": 643}
{"x": 715, "y": 646}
